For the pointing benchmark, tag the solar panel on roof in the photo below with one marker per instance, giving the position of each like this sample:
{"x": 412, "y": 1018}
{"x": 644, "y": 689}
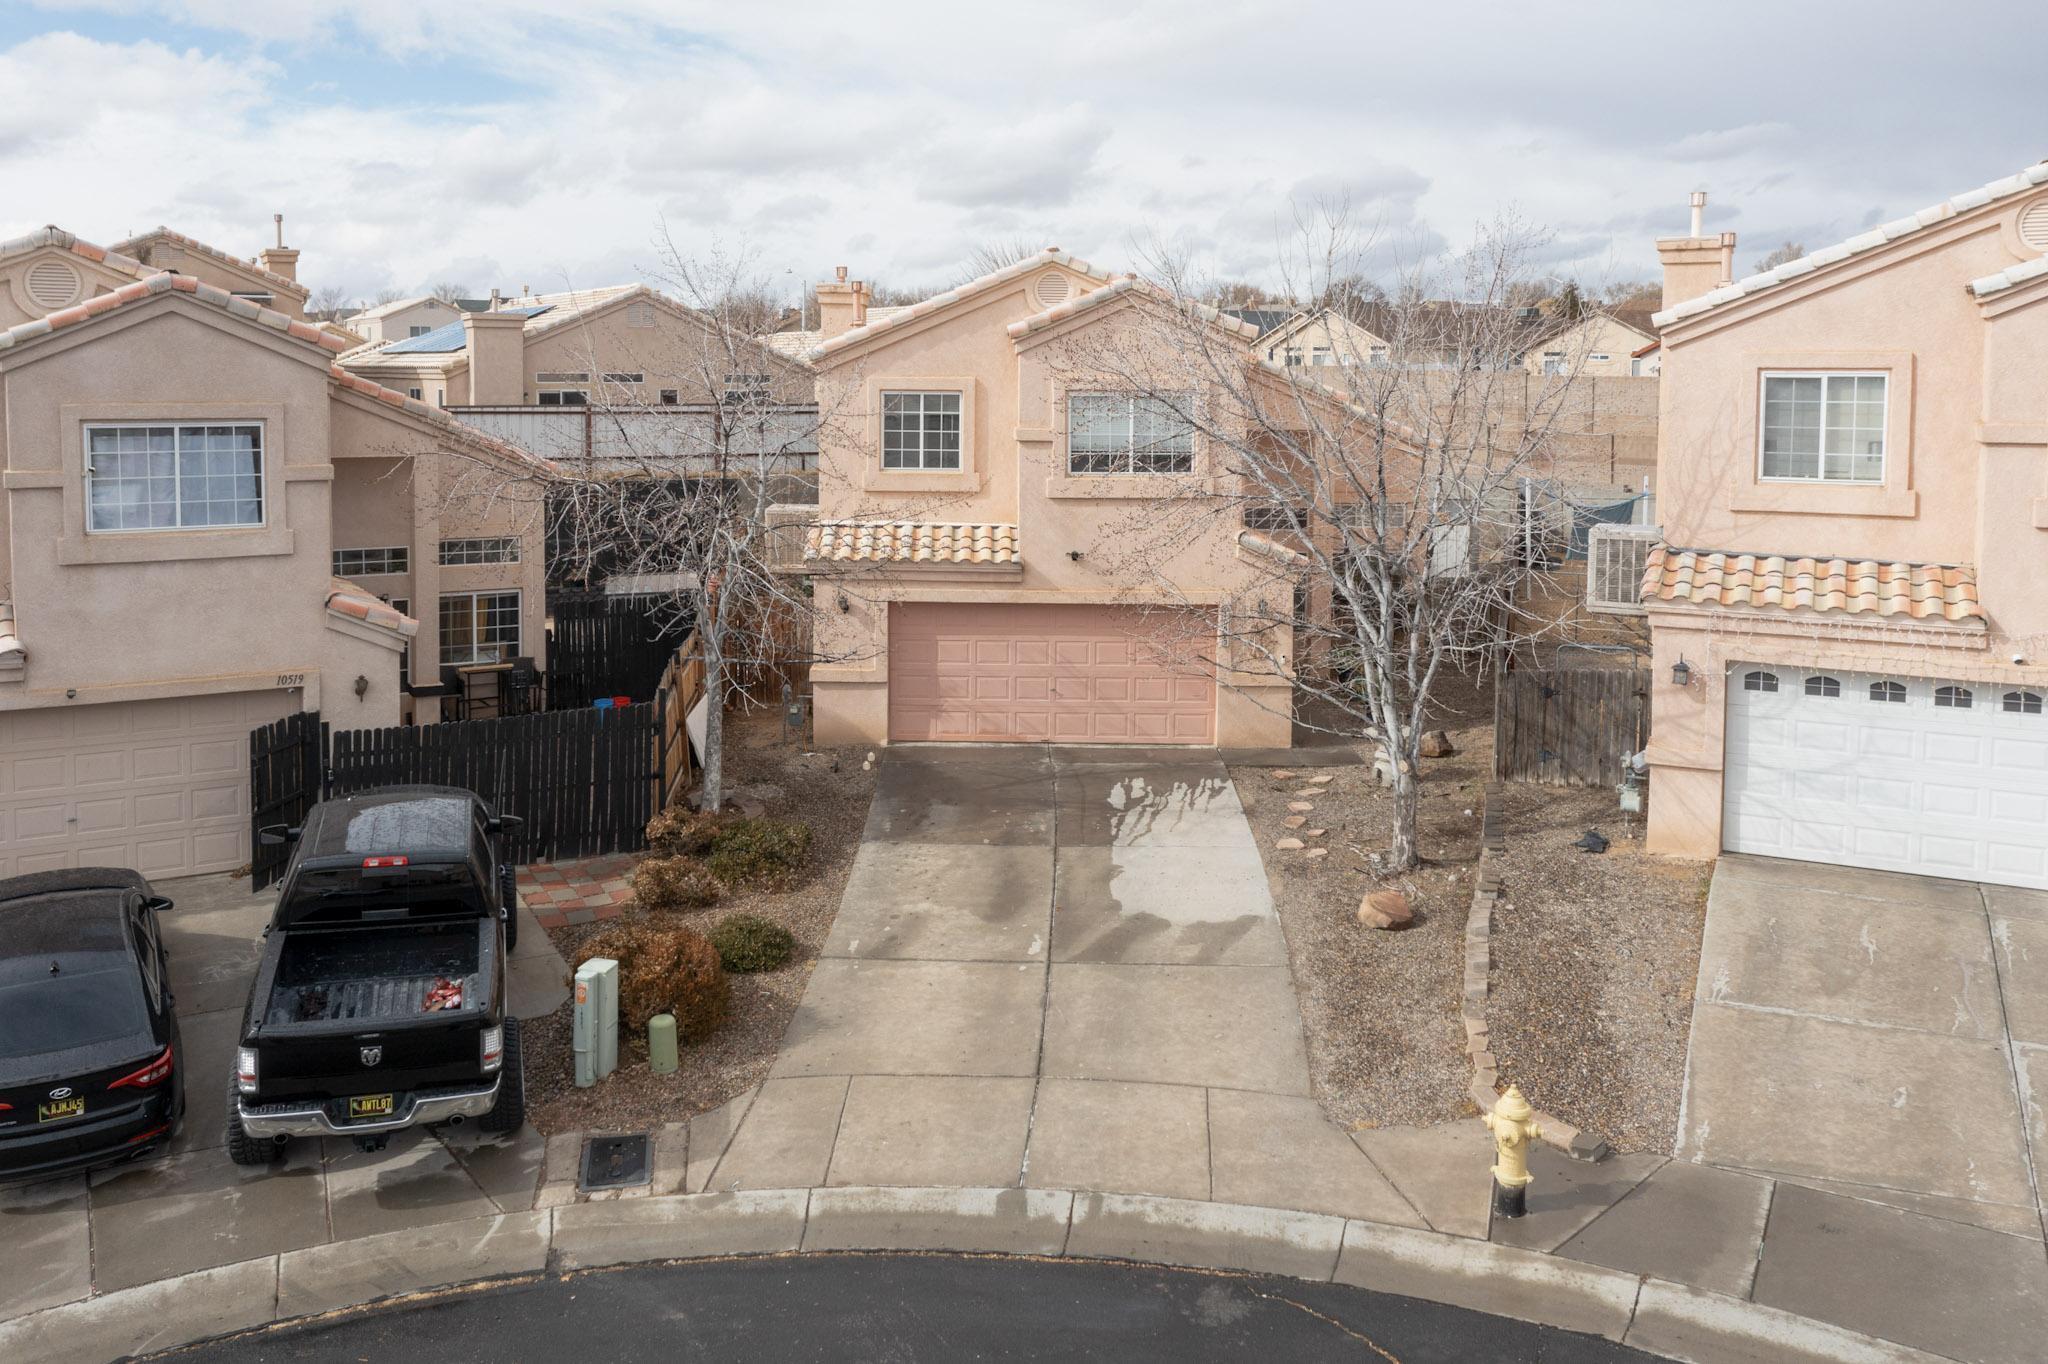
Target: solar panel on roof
{"x": 448, "y": 336}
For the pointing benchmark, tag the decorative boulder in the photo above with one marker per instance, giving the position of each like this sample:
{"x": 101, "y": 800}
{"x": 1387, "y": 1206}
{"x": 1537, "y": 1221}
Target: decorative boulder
{"x": 1295, "y": 821}
{"x": 1299, "y": 807}
{"x": 1289, "y": 844}
{"x": 1437, "y": 744}
{"x": 1385, "y": 909}
{"x": 1282, "y": 774}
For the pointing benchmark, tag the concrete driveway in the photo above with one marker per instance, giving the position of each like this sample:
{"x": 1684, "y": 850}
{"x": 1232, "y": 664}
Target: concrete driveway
{"x": 196, "y": 1208}
{"x": 1059, "y": 968}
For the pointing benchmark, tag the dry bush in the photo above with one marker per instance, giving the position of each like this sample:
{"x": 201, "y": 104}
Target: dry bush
{"x": 672, "y": 884}
{"x": 664, "y": 970}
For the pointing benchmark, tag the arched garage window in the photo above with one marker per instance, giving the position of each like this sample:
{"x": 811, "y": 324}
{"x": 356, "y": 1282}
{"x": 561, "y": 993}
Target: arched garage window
{"x": 2023, "y": 702}
{"x": 1823, "y": 686}
{"x": 1888, "y": 691}
{"x": 1759, "y": 681}
{"x": 1953, "y": 698}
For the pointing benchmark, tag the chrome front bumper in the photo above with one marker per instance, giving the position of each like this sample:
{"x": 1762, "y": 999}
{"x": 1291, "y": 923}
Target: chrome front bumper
{"x": 286, "y": 1120}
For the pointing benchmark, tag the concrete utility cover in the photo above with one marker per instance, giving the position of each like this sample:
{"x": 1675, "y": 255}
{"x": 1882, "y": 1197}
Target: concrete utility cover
{"x": 615, "y": 1162}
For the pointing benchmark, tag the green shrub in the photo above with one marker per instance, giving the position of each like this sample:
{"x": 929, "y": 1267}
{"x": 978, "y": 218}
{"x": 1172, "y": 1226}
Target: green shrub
{"x": 664, "y": 971}
{"x": 684, "y": 833}
{"x": 759, "y": 852}
{"x": 675, "y": 883}
{"x": 748, "y": 942}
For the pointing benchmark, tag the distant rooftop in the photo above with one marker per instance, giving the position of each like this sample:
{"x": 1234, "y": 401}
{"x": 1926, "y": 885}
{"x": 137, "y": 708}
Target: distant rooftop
{"x": 448, "y": 336}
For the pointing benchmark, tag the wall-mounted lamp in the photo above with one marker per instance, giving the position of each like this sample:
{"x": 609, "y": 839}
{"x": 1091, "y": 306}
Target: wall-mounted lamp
{"x": 844, "y": 604}
{"x": 1681, "y": 673}
{"x": 362, "y": 686}
{"x": 1075, "y": 555}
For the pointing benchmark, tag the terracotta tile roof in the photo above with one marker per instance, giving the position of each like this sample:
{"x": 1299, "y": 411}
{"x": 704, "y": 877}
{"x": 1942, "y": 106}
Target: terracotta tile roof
{"x": 200, "y": 248}
{"x": 163, "y": 283}
{"x": 461, "y": 431}
{"x": 66, "y": 241}
{"x": 912, "y": 542}
{"x": 2030, "y": 178}
{"x": 345, "y": 598}
{"x": 1124, "y": 284}
{"x": 1052, "y": 255}
{"x": 12, "y": 654}
{"x": 2010, "y": 277}
{"x": 1691, "y": 577}
{"x": 1270, "y": 548}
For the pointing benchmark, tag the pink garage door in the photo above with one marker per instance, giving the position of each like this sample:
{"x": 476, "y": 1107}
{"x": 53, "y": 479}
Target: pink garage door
{"x": 1040, "y": 674}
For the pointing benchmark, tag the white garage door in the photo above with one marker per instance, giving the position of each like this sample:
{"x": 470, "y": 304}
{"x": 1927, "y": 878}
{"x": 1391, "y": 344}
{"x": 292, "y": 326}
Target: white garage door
{"x": 160, "y": 786}
{"x": 1897, "y": 773}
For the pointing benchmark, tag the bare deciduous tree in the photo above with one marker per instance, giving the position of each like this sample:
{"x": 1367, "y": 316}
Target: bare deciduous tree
{"x": 1783, "y": 255}
{"x": 328, "y": 303}
{"x": 1394, "y": 485}
{"x": 447, "y": 291}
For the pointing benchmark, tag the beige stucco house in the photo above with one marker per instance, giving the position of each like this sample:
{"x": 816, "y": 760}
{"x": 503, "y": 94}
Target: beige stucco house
{"x": 400, "y": 319}
{"x": 1321, "y": 338}
{"x": 976, "y": 478}
{"x": 271, "y": 280}
{"x": 206, "y": 524}
{"x": 1601, "y": 345}
{"x": 1849, "y": 626}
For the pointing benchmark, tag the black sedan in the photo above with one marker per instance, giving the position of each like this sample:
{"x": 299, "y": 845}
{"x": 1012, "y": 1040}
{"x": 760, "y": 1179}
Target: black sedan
{"x": 88, "y": 1042}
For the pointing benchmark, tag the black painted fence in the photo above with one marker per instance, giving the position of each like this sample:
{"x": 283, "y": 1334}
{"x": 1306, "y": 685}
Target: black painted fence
{"x": 286, "y": 761}
{"x": 609, "y": 646}
{"x": 583, "y": 781}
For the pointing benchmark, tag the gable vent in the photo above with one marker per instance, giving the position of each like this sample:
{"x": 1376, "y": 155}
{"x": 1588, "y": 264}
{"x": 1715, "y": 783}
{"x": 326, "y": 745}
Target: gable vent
{"x": 1052, "y": 287}
{"x": 51, "y": 284}
{"x": 2034, "y": 224}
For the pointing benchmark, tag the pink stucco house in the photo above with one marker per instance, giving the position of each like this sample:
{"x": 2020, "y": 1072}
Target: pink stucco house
{"x": 206, "y": 523}
{"x": 975, "y": 479}
{"x": 1849, "y": 626}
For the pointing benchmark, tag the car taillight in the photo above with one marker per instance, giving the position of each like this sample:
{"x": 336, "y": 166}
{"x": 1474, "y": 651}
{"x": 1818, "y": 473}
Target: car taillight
{"x": 387, "y": 861}
{"x": 245, "y": 1069}
{"x": 155, "y": 1073}
{"x": 494, "y": 1047}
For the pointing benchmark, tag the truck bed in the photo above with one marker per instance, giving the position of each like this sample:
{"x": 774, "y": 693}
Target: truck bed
{"x": 374, "y": 974}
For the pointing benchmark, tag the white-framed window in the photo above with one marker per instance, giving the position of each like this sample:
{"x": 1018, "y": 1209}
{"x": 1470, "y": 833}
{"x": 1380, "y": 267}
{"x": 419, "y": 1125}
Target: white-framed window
{"x": 1287, "y": 520}
{"x": 1599, "y": 359}
{"x": 1125, "y": 433}
{"x": 1376, "y": 355}
{"x": 417, "y": 330}
{"x": 1894, "y": 692}
{"x": 357, "y": 563}
{"x": 1320, "y": 355}
{"x": 1553, "y": 362}
{"x": 479, "y": 627}
{"x": 668, "y": 397}
{"x": 620, "y": 376}
{"x": 562, "y": 376}
{"x": 1822, "y": 428}
{"x": 480, "y": 549}
{"x": 415, "y": 394}
{"x": 563, "y": 397}
{"x": 173, "y": 477}
{"x": 920, "y": 430}
{"x": 1291, "y": 356}
{"x": 1953, "y": 698}
{"x": 1759, "y": 681}
{"x": 1823, "y": 686}
{"x": 2021, "y": 703}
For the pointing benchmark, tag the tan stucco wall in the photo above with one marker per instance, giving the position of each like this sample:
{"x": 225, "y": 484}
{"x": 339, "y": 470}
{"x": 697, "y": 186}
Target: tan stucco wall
{"x": 397, "y": 326}
{"x": 1966, "y": 482}
{"x": 116, "y": 617}
{"x": 17, "y": 307}
{"x": 1013, "y": 461}
{"x": 1596, "y": 335}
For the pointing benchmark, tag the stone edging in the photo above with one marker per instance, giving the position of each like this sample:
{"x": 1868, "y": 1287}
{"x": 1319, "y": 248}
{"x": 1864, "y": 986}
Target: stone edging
{"x": 1662, "y": 1318}
{"x": 1478, "y": 968}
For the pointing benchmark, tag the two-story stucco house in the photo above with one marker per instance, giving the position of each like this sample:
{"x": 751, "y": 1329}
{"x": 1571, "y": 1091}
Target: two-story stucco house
{"x": 973, "y": 475}
{"x": 271, "y": 280}
{"x": 206, "y": 524}
{"x": 1849, "y": 625}
{"x": 401, "y": 319}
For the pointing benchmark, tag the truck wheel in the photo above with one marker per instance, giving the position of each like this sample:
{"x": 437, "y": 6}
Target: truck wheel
{"x": 244, "y": 1149}
{"x": 510, "y": 1110}
{"x": 508, "y": 896}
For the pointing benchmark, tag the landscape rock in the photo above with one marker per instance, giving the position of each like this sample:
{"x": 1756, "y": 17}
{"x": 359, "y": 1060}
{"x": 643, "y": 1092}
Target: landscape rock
{"x": 1299, "y": 807}
{"x": 1314, "y": 853}
{"x": 1313, "y": 833}
{"x": 1437, "y": 744}
{"x": 1290, "y": 844}
{"x": 1295, "y": 821}
{"x": 1385, "y": 909}
{"x": 1282, "y": 774}
{"x": 1322, "y": 779}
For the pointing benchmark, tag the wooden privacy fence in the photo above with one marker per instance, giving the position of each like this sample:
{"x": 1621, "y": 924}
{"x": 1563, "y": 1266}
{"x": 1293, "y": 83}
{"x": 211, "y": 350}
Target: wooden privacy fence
{"x": 607, "y": 646}
{"x": 682, "y": 686}
{"x": 585, "y": 782}
{"x": 1569, "y": 727}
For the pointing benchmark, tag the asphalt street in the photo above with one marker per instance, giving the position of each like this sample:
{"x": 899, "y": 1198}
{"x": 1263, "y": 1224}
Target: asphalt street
{"x": 908, "y": 1309}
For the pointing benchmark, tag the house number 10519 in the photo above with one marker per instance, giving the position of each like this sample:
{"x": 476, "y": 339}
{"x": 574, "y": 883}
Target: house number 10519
{"x": 291, "y": 679}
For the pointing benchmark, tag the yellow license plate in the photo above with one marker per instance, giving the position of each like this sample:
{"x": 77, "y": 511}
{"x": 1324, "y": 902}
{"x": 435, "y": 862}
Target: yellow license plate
{"x": 369, "y": 1106}
{"x": 73, "y": 1107}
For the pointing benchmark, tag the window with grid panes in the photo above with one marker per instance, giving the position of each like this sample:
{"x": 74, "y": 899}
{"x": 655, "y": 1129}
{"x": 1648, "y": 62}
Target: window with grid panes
{"x": 173, "y": 477}
{"x": 1124, "y": 433}
{"x": 920, "y": 430}
{"x": 479, "y": 627}
{"x": 1823, "y": 428}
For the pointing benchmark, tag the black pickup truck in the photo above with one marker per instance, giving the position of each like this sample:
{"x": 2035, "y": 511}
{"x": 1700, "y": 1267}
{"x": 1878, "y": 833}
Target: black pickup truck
{"x": 379, "y": 1002}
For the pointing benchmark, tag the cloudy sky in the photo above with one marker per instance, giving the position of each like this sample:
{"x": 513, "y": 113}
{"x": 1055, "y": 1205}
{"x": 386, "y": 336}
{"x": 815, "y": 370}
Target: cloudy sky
{"x": 518, "y": 143}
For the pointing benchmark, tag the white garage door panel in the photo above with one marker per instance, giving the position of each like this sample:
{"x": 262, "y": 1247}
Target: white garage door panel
{"x": 1897, "y": 786}
{"x": 160, "y": 786}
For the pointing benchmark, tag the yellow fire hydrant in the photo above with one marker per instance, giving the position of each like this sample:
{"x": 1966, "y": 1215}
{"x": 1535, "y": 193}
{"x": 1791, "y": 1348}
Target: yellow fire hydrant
{"x": 1513, "y": 1128}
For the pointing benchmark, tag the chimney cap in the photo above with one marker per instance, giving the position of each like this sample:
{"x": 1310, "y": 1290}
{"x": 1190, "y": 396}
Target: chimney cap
{"x": 839, "y": 273}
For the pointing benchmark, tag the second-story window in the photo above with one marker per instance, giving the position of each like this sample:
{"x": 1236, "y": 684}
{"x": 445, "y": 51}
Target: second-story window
{"x": 1824, "y": 428}
{"x": 487, "y": 549}
{"x": 920, "y": 431}
{"x": 173, "y": 477}
{"x": 1123, "y": 433}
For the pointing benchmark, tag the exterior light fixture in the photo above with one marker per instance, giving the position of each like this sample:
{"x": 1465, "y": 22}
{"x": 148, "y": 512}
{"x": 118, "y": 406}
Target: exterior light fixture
{"x": 1681, "y": 673}
{"x": 362, "y": 686}
{"x": 844, "y": 604}
{"x": 1075, "y": 555}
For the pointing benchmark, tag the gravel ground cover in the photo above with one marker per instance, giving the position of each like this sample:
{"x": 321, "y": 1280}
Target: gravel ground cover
{"x": 823, "y": 788}
{"x": 1380, "y": 1009}
{"x": 1594, "y": 959}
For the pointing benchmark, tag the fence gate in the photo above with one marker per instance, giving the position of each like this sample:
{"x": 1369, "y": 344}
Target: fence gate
{"x": 286, "y": 760}
{"x": 608, "y": 646}
{"x": 1569, "y": 726}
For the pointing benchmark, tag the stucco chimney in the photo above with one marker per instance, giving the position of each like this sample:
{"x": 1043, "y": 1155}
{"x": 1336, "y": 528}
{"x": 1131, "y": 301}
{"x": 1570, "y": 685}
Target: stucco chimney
{"x": 1697, "y": 263}
{"x": 280, "y": 259}
{"x": 842, "y": 304}
{"x": 496, "y": 343}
